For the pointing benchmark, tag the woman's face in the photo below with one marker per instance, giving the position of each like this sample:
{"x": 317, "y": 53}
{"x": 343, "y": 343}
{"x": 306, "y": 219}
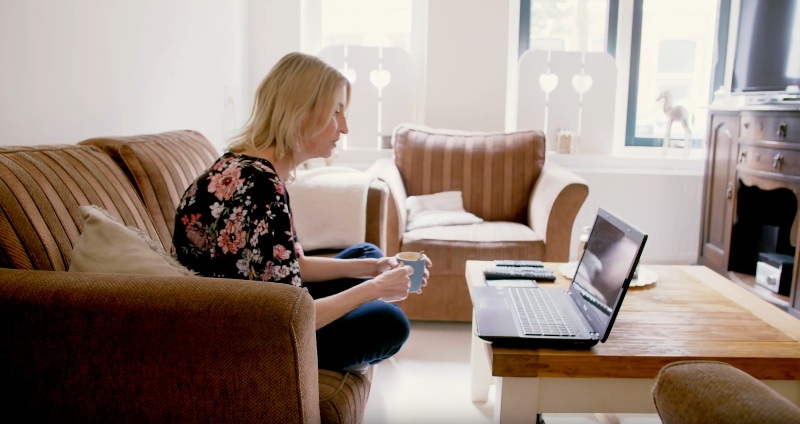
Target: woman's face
{"x": 322, "y": 144}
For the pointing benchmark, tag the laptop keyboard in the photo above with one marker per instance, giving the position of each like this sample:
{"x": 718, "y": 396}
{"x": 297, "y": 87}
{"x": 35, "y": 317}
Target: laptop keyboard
{"x": 539, "y": 314}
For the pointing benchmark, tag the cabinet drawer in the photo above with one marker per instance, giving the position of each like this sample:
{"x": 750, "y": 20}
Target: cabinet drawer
{"x": 767, "y": 159}
{"x": 781, "y": 126}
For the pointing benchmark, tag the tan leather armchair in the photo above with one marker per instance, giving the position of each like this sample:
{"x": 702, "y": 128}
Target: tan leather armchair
{"x": 529, "y": 206}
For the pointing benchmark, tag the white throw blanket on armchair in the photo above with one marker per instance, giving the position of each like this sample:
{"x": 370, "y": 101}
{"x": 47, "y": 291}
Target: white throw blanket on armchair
{"x": 329, "y": 206}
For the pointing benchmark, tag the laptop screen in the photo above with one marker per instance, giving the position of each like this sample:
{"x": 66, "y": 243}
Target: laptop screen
{"x": 605, "y": 269}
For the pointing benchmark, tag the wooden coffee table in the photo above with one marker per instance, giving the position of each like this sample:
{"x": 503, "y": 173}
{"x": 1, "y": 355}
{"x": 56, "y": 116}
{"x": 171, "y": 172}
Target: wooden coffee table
{"x": 691, "y": 312}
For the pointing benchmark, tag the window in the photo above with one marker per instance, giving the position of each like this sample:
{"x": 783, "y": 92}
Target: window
{"x": 674, "y": 59}
{"x": 377, "y": 23}
{"x": 567, "y": 25}
{"x": 377, "y": 45}
{"x": 675, "y": 46}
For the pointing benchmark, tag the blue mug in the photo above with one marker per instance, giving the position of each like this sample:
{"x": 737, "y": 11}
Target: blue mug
{"x": 416, "y": 261}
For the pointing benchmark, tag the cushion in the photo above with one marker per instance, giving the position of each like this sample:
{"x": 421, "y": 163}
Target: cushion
{"x": 329, "y": 207}
{"x": 105, "y": 245}
{"x": 433, "y": 210}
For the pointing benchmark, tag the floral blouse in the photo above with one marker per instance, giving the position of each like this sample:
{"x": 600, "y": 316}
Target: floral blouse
{"x": 234, "y": 221}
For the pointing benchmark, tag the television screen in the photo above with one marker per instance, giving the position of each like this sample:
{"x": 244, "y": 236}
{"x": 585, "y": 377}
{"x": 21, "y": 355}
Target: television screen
{"x": 768, "y": 46}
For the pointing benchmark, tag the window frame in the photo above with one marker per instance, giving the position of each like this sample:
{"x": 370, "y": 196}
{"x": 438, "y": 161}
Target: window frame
{"x": 722, "y": 32}
{"x": 717, "y": 77}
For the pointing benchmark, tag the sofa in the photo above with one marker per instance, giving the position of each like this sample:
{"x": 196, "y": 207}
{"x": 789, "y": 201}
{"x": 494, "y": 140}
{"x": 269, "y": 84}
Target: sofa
{"x": 526, "y": 206}
{"x": 112, "y": 347}
{"x": 701, "y": 392}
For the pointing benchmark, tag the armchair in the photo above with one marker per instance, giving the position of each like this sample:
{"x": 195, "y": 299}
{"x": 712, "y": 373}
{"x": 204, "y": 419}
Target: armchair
{"x": 528, "y": 206}
{"x": 717, "y": 392}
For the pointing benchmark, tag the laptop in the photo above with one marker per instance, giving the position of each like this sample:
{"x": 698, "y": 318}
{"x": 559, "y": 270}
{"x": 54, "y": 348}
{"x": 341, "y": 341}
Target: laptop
{"x": 588, "y": 307}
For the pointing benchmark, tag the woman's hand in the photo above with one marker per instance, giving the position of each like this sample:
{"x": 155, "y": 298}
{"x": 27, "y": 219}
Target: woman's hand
{"x": 393, "y": 285}
{"x": 387, "y": 263}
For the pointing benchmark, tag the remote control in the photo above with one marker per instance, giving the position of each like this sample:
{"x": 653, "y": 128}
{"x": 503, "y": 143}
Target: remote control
{"x": 524, "y": 273}
{"x": 517, "y": 263}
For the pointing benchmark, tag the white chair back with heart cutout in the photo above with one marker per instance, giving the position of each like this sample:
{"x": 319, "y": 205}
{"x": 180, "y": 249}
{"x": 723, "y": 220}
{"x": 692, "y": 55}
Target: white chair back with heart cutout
{"x": 382, "y": 82}
{"x": 571, "y": 91}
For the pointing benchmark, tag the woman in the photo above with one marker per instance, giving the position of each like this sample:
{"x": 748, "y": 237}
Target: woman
{"x": 235, "y": 221}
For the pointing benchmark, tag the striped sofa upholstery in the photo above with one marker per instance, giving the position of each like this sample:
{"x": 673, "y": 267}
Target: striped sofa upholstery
{"x": 529, "y": 206}
{"x": 182, "y": 350}
{"x": 161, "y": 166}
{"x": 41, "y": 188}
{"x": 342, "y": 397}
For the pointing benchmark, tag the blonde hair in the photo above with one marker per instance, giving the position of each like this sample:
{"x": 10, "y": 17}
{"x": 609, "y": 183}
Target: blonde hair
{"x": 294, "y": 102}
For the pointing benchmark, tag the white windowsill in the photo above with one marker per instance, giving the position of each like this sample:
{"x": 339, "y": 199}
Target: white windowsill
{"x": 673, "y": 163}
{"x": 631, "y": 161}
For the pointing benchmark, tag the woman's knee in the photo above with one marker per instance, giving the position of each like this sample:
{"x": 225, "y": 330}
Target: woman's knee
{"x": 361, "y": 251}
{"x": 372, "y": 332}
{"x": 371, "y": 251}
{"x": 394, "y": 323}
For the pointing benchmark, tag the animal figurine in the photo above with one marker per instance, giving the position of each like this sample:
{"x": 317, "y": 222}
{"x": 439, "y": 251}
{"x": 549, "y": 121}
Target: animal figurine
{"x": 676, "y": 113}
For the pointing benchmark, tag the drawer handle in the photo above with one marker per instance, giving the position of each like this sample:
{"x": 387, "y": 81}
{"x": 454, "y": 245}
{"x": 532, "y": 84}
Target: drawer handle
{"x": 729, "y": 191}
{"x": 777, "y": 161}
{"x": 746, "y": 125}
{"x": 783, "y": 129}
{"x": 743, "y": 156}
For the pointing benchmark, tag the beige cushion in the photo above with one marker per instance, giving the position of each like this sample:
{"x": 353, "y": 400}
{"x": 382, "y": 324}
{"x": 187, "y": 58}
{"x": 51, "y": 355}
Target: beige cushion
{"x": 342, "y": 221}
{"x": 431, "y": 210}
{"x": 107, "y": 246}
{"x": 484, "y": 232}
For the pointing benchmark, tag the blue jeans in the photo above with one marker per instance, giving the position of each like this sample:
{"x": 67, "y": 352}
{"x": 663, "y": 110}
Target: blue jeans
{"x": 368, "y": 334}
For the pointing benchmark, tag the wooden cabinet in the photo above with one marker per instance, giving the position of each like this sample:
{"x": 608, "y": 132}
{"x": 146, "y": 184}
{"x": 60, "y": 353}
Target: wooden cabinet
{"x": 770, "y": 149}
{"x": 719, "y": 190}
{"x": 752, "y": 183}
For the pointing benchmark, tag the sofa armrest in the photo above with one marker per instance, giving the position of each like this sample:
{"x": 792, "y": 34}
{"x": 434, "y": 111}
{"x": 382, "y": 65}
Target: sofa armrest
{"x": 716, "y": 392}
{"x": 81, "y": 347}
{"x": 556, "y": 198}
{"x": 385, "y": 170}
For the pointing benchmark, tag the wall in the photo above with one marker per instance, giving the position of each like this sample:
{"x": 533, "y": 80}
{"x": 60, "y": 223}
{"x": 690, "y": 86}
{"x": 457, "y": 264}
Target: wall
{"x": 83, "y": 68}
{"x": 467, "y": 55}
{"x": 75, "y": 69}
{"x": 661, "y": 196}
{"x": 273, "y": 30}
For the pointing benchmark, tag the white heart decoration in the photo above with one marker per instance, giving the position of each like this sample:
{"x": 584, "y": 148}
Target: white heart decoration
{"x": 380, "y": 78}
{"x": 548, "y": 82}
{"x": 349, "y": 73}
{"x": 582, "y": 83}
